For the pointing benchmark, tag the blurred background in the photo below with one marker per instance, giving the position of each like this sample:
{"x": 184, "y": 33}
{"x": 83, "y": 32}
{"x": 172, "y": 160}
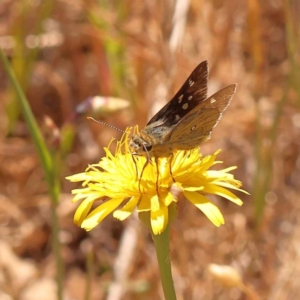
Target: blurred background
{"x": 120, "y": 62}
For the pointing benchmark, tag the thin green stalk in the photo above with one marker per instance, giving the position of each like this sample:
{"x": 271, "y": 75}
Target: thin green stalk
{"x": 56, "y": 248}
{"x": 257, "y": 195}
{"x": 48, "y": 167}
{"x": 162, "y": 246}
{"x": 89, "y": 268}
{"x": 273, "y": 136}
{"x": 40, "y": 145}
{"x": 265, "y": 161}
{"x": 292, "y": 44}
{"x": 24, "y": 58}
{"x": 264, "y": 156}
{"x": 112, "y": 41}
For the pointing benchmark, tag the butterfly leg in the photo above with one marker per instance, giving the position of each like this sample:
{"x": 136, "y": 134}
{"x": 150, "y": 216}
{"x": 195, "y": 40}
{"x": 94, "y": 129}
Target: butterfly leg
{"x": 171, "y": 160}
{"x": 137, "y": 171}
{"x": 139, "y": 178}
{"x": 137, "y": 175}
{"x": 157, "y": 174}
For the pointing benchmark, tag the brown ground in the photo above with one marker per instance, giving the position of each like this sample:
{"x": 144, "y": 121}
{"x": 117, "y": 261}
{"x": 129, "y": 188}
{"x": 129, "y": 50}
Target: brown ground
{"x": 66, "y": 51}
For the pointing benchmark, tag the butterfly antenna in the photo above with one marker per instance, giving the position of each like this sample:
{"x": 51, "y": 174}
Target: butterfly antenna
{"x": 105, "y": 124}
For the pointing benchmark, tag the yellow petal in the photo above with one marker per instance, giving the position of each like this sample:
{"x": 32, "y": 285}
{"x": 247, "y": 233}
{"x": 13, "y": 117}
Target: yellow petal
{"x": 168, "y": 199}
{"x": 76, "y": 177}
{"x": 82, "y": 211}
{"x": 193, "y": 188}
{"x": 144, "y": 203}
{"x": 208, "y": 208}
{"x": 155, "y": 205}
{"x": 99, "y": 213}
{"x": 217, "y": 190}
{"x": 164, "y": 197}
{"x": 124, "y": 212}
{"x": 231, "y": 186}
{"x": 159, "y": 219}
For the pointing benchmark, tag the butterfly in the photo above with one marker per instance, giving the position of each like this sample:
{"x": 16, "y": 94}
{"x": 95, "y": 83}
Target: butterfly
{"x": 186, "y": 121}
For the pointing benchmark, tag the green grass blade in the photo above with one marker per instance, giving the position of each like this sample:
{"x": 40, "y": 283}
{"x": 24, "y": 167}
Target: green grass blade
{"x": 38, "y": 140}
{"x": 47, "y": 164}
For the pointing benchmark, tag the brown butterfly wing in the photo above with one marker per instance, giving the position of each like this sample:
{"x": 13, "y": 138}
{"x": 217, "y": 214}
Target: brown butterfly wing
{"x": 193, "y": 91}
{"x": 195, "y": 128}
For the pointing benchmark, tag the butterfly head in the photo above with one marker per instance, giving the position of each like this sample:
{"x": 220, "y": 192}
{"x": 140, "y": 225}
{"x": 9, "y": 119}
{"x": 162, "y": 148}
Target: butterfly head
{"x": 139, "y": 146}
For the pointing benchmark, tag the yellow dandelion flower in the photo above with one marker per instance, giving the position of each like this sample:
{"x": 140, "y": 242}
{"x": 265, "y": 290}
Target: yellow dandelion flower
{"x": 124, "y": 182}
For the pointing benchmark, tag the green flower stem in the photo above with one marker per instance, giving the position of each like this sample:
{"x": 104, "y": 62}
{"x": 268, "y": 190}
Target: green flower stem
{"x": 56, "y": 248}
{"x": 162, "y": 246}
{"x": 89, "y": 275}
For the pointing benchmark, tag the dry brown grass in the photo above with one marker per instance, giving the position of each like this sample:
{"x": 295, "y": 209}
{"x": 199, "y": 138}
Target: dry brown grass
{"x": 135, "y": 50}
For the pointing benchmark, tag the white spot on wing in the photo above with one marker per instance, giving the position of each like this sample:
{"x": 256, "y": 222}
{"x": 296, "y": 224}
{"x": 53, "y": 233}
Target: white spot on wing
{"x": 180, "y": 98}
{"x": 185, "y": 106}
{"x": 177, "y": 117}
{"x": 213, "y": 100}
{"x": 191, "y": 82}
{"x": 190, "y": 97}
